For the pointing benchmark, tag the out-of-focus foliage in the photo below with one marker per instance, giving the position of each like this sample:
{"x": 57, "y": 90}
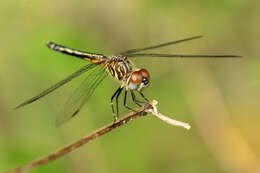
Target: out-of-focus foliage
{"x": 218, "y": 97}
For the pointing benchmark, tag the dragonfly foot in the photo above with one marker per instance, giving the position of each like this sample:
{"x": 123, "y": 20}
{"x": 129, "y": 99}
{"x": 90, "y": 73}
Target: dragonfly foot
{"x": 115, "y": 118}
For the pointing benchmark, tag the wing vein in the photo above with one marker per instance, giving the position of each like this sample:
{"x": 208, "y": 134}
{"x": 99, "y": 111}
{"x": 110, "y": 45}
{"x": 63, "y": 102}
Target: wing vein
{"x": 57, "y": 85}
{"x": 81, "y": 95}
{"x": 181, "y": 55}
{"x": 159, "y": 45}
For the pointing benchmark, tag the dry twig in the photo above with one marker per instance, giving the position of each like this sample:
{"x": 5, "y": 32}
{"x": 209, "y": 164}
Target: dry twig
{"x": 148, "y": 108}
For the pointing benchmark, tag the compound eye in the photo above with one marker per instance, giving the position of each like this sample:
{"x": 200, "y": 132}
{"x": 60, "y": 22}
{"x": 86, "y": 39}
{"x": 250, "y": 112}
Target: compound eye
{"x": 136, "y": 77}
{"x": 145, "y": 73}
{"x": 145, "y": 81}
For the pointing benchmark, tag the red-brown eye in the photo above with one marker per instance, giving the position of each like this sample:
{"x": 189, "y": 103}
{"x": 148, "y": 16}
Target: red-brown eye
{"x": 145, "y": 73}
{"x": 136, "y": 77}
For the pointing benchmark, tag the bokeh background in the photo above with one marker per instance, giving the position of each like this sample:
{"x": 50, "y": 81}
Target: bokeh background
{"x": 218, "y": 97}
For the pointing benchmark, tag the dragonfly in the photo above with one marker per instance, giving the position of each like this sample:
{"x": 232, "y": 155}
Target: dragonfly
{"x": 132, "y": 80}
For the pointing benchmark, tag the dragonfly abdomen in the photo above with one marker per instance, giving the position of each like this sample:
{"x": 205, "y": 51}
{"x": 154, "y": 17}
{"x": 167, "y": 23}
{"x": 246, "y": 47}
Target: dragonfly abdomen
{"x": 92, "y": 57}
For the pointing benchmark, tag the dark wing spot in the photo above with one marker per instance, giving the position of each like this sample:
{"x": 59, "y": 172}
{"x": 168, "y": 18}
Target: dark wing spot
{"x": 75, "y": 113}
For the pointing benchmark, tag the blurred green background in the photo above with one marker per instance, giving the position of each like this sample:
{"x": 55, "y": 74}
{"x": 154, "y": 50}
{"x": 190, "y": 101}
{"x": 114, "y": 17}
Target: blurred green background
{"x": 218, "y": 97}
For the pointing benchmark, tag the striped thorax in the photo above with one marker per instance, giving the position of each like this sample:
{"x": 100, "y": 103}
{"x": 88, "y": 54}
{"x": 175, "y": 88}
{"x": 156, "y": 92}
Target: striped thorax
{"x": 120, "y": 68}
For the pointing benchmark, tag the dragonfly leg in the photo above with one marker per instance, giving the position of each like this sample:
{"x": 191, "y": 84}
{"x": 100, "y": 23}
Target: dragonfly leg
{"x": 134, "y": 99}
{"x": 146, "y": 99}
{"x": 125, "y": 104}
{"x": 117, "y": 111}
{"x": 112, "y": 104}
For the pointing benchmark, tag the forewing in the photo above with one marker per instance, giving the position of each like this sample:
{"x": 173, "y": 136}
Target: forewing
{"x": 131, "y": 51}
{"x": 57, "y": 85}
{"x": 181, "y": 55}
{"x": 81, "y": 94}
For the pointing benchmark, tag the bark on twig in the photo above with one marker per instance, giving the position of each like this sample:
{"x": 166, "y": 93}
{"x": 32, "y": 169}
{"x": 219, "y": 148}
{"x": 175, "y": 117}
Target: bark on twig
{"x": 148, "y": 108}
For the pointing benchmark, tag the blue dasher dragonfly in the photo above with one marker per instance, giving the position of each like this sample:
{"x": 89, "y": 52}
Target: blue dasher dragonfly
{"x": 119, "y": 67}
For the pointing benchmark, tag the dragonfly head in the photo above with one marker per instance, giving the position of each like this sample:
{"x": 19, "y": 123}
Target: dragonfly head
{"x": 139, "y": 79}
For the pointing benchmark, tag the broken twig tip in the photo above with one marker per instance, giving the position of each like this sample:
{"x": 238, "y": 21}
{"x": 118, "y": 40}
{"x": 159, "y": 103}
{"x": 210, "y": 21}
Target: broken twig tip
{"x": 166, "y": 119}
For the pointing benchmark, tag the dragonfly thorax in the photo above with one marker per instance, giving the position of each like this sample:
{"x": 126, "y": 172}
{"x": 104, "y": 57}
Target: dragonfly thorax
{"x": 138, "y": 80}
{"x": 120, "y": 68}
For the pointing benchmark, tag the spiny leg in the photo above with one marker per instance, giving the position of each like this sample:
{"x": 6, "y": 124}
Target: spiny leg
{"x": 146, "y": 99}
{"x": 134, "y": 99}
{"x": 125, "y": 105}
{"x": 117, "y": 112}
{"x": 112, "y": 98}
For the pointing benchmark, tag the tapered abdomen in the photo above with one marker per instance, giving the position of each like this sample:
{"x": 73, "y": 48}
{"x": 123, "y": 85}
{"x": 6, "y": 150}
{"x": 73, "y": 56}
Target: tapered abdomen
{"x": 92, "y": 57}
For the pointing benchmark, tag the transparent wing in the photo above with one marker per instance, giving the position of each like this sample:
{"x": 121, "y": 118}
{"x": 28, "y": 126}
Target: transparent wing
{"x": 181, "y": 55}
{"x": 131, "y": 51}
{"x": 81, "y": 94}
{"x": 57, "y": 85}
